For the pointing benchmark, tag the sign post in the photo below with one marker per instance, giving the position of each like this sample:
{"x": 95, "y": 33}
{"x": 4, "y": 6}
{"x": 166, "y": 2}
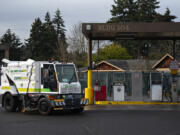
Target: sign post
{"x": 174, "y": 67}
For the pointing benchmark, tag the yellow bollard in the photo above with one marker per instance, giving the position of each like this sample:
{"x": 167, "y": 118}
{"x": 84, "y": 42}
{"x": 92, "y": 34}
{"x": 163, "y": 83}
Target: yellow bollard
{"x": 89, "y": 93}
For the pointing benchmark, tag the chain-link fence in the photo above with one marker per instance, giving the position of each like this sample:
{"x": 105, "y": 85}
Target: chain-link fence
{"x": 145, "y": 83}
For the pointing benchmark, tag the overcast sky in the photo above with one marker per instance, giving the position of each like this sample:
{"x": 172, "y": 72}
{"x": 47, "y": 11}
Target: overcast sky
{"x": 18, "y": 15}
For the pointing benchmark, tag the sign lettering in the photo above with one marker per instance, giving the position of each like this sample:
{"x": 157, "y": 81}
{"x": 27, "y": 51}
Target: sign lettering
{"x": 112, "y": 28}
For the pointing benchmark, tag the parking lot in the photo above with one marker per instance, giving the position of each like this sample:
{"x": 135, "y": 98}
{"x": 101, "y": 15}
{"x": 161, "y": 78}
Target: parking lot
{"x": 96, "y": 120}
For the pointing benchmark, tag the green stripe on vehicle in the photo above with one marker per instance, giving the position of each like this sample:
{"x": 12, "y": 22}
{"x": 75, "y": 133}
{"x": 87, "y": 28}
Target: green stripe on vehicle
{"x": 25, "y": 89}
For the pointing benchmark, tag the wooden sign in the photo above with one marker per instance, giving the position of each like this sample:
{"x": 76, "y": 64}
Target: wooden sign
{"x": 174, "y": 67}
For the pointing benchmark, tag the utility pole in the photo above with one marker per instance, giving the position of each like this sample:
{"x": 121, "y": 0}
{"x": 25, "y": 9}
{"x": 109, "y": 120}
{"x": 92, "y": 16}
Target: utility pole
{"x": 174, "y": 66}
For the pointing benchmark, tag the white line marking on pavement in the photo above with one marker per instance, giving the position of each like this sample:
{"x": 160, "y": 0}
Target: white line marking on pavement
{"x": 88, "y": 129}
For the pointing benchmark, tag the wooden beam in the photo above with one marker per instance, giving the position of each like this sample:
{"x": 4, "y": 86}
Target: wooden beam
{"x": 139, "y": 31}
{"x": 89, "y": 53}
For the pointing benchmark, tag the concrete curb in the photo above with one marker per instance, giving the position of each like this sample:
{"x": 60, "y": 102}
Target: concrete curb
{"x": 134, "y": 103}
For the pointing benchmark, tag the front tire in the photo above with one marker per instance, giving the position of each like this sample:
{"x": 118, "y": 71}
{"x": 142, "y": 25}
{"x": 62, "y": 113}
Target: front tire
{"x": 10, "y": 103}
{"x": 44, "y": 106}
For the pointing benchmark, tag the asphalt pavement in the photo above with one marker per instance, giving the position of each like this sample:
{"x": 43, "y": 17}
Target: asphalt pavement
{"x": 95, "y": 120}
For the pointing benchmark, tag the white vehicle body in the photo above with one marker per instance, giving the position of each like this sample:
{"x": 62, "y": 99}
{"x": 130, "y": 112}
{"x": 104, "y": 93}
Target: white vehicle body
{"x": 40, "y": 85}
{"x": 27, "y": 77}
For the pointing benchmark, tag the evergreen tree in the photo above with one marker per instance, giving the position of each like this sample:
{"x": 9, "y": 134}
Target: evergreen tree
{"x": 48, "y": 19}
{"x": 59, "y": 24}
{"x": 49, "y": 38}
{"x": 14, "y": 44}
{"x": 42, "y": 41}
{"x": 123, "y": 11}
{"x": 166, "y": 17}
{"x": 62, "y": 45}
{"x": 138, "y": 11}
{"x": 34, "y": 43}
{"x": 133, "y": 11}
{"x": 147, "y": 10}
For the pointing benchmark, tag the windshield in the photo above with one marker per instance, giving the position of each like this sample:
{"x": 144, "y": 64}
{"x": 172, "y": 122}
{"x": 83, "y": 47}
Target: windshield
{"x": 66, "y": 73}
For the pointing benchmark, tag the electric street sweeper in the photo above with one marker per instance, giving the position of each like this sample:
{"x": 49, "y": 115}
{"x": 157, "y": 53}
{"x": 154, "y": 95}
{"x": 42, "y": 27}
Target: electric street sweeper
{"x": 40, "y": 85}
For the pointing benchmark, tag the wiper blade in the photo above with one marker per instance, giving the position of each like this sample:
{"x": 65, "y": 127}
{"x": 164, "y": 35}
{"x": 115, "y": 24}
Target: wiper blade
{"x": 71, "y": 78}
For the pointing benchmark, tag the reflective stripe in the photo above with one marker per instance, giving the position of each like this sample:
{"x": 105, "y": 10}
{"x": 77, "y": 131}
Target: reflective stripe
{"x": 84, "y": 101}
{"x": 81, "y": 102}
{"x": 64, "y": 103}
{"x": 21, "y": 78}
{"x": 5, "y": 88}
{"x": 59, "y": 100}
{"x": 25, "y": 89}
{"x": 24, "y": 70}
{"x": 57, "y": 108}
{"x": 33, "y": 90}
{"x": 56, "y": 103}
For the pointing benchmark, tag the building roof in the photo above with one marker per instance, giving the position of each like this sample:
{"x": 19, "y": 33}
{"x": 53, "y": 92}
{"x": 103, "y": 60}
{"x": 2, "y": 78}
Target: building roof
{"x": 109, "y": 66}
{"x": 132, "y": 30}
{"x": 164, "y": 62}
{"x": 133, "y": 65}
